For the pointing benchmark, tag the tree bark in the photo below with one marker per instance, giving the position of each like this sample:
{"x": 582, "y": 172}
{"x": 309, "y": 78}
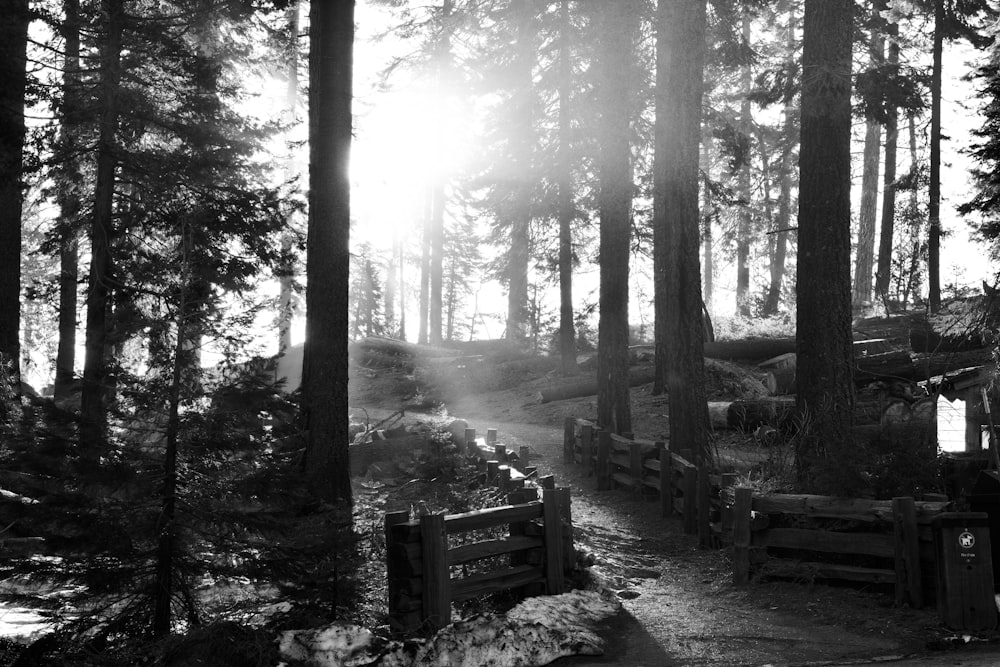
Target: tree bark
{"x": 567, "y": 329}
{"x": 69, "y": 187}
{"x": 617, "y": 33}
{"x": 865, "y": 257}
{"x": 707, "y": 217}
{"x": 934, "y": 197}
{"x": 789, "y": 128}
{"x": 93, "y": 400}
{"x": 424, "y": 303}
{"x": 743, "y": 187}
{"x": 13, "y": 82}
{"x": 325, "y": 365}
{"x": 437, "y": 265}
{"x": 285, "y": 308}
{"x": 825, "y": 459}
{"x": 884, "y": 270}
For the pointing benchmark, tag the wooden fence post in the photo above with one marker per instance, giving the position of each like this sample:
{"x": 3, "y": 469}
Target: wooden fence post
{"x": 587, "y": 446}
{"x": 547, "y": 482}
{"x": 907, "y": 553}
{"x": 603, "y": 452}
{"x": 523, "y": 456}
{"x": 491, "y": 436}
{"x": 554, "y": 579}
{"x": 569, "y": 439}
{"x": 492, "y": 473}
{"x": 503, "y": 481}
{"x": 690, "y": 491}
{"x": 635, "y": 465}
{"x": 741, "y": 535}
{"x": 704, "y": 506}
{"x": 726, "y": 504}
{"x": 437, "y": 580}
{"x": 566, "y": 516}
{"x": 666, "y": 474}
{"x": 392, "y": 569}
{"x": 470, "y": 442}
{"x": 500, "y": 453}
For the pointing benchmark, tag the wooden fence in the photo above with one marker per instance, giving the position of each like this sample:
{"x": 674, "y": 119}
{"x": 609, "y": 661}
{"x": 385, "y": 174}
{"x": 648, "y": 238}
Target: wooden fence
{"x": 652, "y": 468}
{"x": 821, "y": 537}
{"x": 430, "y": 562}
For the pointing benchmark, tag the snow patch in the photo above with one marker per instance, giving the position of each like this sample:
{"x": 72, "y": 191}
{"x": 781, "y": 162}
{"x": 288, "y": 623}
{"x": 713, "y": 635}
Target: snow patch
{"x": 535, "y": 632}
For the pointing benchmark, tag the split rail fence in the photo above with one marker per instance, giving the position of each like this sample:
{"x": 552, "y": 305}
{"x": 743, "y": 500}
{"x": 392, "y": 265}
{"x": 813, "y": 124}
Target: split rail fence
{"x": 809, "y": 537}
{"x": 652, "y": 468}
{"x": 438, "y": 560}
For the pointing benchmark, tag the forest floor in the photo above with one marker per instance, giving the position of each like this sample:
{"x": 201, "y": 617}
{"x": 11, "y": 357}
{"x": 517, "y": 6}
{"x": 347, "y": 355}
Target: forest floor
{"x": 679, "y": 605}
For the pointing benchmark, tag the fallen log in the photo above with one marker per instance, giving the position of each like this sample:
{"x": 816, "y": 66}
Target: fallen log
{"x": 896, "y": 365}
{"x": 588, "y": 387}
{"x": 923, "y": 338}
{"x": 749, "y": 349}
{"x": 777, "y": 411}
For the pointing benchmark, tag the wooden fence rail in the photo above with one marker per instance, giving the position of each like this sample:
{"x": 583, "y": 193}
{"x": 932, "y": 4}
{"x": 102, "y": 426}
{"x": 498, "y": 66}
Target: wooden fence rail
{"x": 809, "y": 537}
{"x": 428, "y": 561}
{"x": 649, "y": 467}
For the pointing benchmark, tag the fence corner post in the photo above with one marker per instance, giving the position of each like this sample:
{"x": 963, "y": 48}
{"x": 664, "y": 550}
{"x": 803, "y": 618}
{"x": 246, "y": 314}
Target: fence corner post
{"x": 554, "y": 577}
{"x": 907, "y": 552}
{"x": 437, "y": 580}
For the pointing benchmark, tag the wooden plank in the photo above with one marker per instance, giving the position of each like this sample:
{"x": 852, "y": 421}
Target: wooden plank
{"x": 475, "y": 585}
{"x": 437, "y": 590}
{"x": 652, "y": 464}
{"x": 395, "y": 572}
{"x": 725, "y": 500}
{"x": 620, "y": 459}
{"x": 488, "y": 548}
{"x": 866, "y": 544}
{"x": 635, "y": 463}
{"x": 554, "y": 579}
{"x": 491, "y": 517}
{"x": 777, "y": 567}
{"x": 909, "y": 575}
{"x": 741, "y": 535}
{"x": 858, "y": 509}
{"x": 622, "y": 479}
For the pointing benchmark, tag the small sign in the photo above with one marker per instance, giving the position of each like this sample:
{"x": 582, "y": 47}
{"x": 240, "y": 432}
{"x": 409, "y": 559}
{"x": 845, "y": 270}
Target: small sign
{"x": 966, "y": 540}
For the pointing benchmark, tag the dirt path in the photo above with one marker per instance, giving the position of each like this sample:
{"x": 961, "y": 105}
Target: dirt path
{"x": 679, "y": 607}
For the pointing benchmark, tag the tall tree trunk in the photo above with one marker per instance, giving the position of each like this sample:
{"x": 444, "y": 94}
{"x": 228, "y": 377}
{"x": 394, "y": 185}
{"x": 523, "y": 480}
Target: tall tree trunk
{"x": 884, "y": 271}
{"x": 788, "y": 142}
{"x": 707, "y": 218}
{"x": 285, "y": 308}
{"x": 564, "y": 181}
{"x": 521, "y": 169}
{"x": 13, "y": 81}
{"x": 934, "y": 200}
{"x": 437, "y": 263}
{"x": 324, "y": 372}
{"x": 93, "y": 400}
{"x": 825, "y": 456}
{"x": 391, "y": 286}
{"x": 617, "y": 32}
{"x": 680, "y": 45}
{"x": 182, "y": 361}
{"x": 865, "y": 257}
{"x": 743, "y": 188}
{"x": 68, "y": 190}
{"x": 402, "y": 291}
{"x": 424, "y": 303}
{"x": 913, "y": 272}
